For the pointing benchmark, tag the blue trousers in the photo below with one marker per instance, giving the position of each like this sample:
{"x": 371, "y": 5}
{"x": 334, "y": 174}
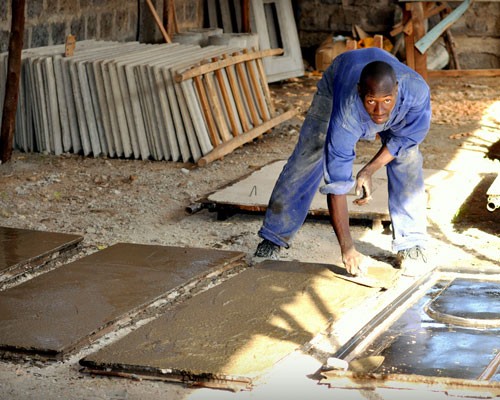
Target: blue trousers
{"x": 301, "y": 176}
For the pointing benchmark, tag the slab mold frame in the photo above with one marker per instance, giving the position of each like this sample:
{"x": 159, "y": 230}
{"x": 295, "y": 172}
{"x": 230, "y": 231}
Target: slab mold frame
{"x": 227, "y": 210}
{"x": 388, "y": 316}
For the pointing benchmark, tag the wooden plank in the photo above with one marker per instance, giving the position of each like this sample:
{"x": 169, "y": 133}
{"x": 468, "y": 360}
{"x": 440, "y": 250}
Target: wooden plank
{"x": 413, "y": 382}
{"x": 233, "y": 83}
{"x": 451, "y": 73}
{"x": 257, "y": 89}
{"x": 157, "y": 19}
{"x": 423, "y": 43}
{"x": 228, "y": 147}
{"x": 207, "y": 111}
{"x": 225, "y": 62}
{"x": 417, "y": 17}
{"x": 216, "y": 107}
{"x": 247, "y": 92}
{"x": 227, "y": 102}
{"x": 265, "y": 86}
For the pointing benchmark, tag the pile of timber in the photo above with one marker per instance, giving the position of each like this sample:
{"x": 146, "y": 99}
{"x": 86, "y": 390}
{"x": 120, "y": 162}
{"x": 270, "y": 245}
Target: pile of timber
{"x": 162, "y": 102}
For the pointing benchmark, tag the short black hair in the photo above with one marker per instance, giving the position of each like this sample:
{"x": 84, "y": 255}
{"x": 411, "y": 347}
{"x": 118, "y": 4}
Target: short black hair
{"x": 379, "y": 72}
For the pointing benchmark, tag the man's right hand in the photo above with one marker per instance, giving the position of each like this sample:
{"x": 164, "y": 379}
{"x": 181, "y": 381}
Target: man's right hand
{"x": 352, "y": 260}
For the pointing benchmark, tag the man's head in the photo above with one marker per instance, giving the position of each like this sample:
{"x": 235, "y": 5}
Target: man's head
{"x": 378, "y": 89}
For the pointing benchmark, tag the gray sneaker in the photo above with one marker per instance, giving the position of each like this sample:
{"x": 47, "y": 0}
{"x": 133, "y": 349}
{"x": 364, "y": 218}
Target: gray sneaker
{"x": 413, "y": 262}
{"x": 267, "y": 249}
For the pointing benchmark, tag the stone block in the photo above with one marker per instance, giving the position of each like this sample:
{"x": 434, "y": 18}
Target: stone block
{"x": 85, "y": 4}
{"x": 40, "y": 36}
{"x": 78, "y": 28}
{"x": 58, "y": 30}
{"x": 121, "y": 23}
{"x": 106, "y": 26}
{"x": 4, "y": 12}
{"x": 91, "y": 26}
{"x": 4, "y": 41}
{"x": 51, "y": 7}
{"x": 34, "y": 9}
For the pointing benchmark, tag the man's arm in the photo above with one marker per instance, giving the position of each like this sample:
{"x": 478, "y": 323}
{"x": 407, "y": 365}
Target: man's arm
{"x": 339, "y": 218}
{"x": 364, "y": 176}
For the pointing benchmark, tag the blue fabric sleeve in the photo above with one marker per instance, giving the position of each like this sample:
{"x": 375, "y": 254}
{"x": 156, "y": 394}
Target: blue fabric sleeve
{"x": 339, "y": 155}
{"x": 415, "y": 125}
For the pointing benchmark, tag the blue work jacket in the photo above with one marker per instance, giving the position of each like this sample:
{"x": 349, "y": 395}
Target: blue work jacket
{"x": 407, "y": 126}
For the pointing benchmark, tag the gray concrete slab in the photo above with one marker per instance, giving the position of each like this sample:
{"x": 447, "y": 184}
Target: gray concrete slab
{"x": 252, "y": 193}
{"x": 53, "y": 106}
{"x": 290, "y": 63}
{"x": 194, "y": 137}
{"x": 55, "y": 313}
{"x": 24, "y": 249}
{"x": 232, "y": 333}
{"x": 162, "y": 107}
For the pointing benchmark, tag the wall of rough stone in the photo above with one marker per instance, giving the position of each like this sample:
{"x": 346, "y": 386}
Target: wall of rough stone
{"x": 48, "y": 22}
{"x": 316, "y": 19}
{"x": 480, "y": 25}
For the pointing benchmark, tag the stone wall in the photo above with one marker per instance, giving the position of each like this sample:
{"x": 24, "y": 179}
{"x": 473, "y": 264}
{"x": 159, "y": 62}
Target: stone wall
{"x": 50, "y": 21}
{"x": 318, "y": 19}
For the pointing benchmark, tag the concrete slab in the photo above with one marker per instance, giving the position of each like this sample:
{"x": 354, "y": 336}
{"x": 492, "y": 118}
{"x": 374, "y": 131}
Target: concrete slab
{"x": 289, "y": 64}
{"x": 56, "y": 312}
{"x": 230, "y": 334}
{"x": 24, "y": 249}
{"x": 253, "y": 192}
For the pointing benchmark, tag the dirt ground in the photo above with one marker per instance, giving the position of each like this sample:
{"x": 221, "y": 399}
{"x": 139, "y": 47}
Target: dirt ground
{"x": 117, "y": 200}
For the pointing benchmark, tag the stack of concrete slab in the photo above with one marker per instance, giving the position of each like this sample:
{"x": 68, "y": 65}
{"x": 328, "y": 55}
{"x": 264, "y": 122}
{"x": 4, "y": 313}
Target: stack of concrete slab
{"x": 121, "y": 100}
{"x": 273, "y": 22}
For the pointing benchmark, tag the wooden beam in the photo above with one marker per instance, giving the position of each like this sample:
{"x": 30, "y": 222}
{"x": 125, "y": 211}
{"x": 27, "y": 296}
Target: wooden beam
{"x": 417, "y": 17}
{"x": 12, "y": 80}
{"x": 457, "y": 73}
{"x": 207, "y": 111}
{"x": 235, "y": 90}
{"x": 247, "y": 92}
{"x": 227, "y": 101}
{"x": 423, "y": 44}
{"x": 158, "y": 21}
{"x": 227, "y": 61}
{"x": 228, "y": 147}
{"x": 245, "y": 16}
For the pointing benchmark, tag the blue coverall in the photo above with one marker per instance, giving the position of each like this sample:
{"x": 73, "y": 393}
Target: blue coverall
{"x": 334, "y": 123}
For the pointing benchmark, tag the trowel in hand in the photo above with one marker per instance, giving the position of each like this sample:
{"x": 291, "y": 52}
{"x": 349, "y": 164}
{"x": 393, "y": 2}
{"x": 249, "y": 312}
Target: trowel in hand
{"x": 374, "y": 274}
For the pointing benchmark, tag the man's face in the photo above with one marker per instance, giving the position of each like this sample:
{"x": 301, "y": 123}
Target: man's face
{"x": 379, "y": 100}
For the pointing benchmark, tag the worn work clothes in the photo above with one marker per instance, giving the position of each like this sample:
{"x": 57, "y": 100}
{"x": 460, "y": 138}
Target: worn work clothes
{"x": 338, "y": 119}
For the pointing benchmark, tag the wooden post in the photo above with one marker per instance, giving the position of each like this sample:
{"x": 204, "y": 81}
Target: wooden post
{"x": 157, "y": 19}
{"x": 450, "y": 44}
{"x": 245, "y": 15}
{"x": 13, "y": 77}
{"x": 417, "y": 17}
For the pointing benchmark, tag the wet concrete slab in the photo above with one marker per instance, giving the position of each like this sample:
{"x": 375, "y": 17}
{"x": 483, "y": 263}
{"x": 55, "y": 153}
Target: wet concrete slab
{"x": 56, "y": 312}
{"x": 234, "y": 332}
{"x": 23, "y": 249}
